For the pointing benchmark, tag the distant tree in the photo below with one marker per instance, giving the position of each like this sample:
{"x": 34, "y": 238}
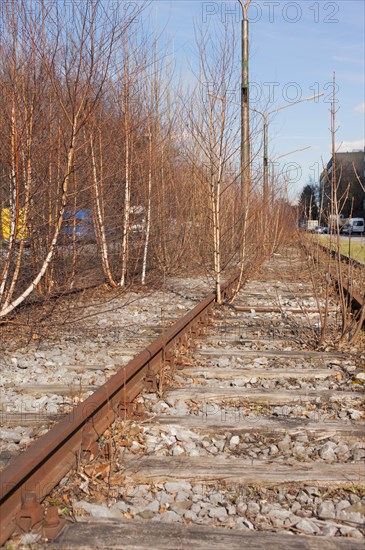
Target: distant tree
{"x": 308, "y": 207}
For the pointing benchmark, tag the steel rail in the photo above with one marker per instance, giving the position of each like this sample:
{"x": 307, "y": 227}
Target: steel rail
{"x": 355, "y": 300}
{"x": 343, "y": 257}
{"x": 354, "y": 297}
{"x": 32, "y": 475}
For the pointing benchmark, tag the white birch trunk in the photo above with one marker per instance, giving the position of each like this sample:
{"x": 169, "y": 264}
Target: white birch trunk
{"x": 73, "y": 240}
{"x": 27, "y": 188}
{"x": 148, "y": 217}
{"x": 10, "y": 307}
{"x": 218, "y": 237}
{"x": 100, "y": 225}
{"x": 215, "y": 198}
{"x": 13, "y": 206}
{"x": 127, "y": 203}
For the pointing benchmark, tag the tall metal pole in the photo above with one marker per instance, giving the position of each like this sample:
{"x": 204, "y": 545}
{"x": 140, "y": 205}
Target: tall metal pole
{"x": 245, "y": 116}
{"x": 265, "y": 118}
{"x": 266, "y": 163}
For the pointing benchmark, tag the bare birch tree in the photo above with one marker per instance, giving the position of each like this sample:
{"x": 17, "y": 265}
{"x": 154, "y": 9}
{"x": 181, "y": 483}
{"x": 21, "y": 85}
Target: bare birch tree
{"x": 211, "y": 127}
{"x": 77, "y": 61}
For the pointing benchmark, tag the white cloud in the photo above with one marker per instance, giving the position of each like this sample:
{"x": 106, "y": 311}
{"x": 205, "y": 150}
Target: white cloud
{"x": 360, "y": 108}
{"x": 345, "y": 146}
{"x": 342, "y": 58}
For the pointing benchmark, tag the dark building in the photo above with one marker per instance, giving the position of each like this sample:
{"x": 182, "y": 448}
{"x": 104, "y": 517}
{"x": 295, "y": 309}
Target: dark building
{"x": 350, "y": 191}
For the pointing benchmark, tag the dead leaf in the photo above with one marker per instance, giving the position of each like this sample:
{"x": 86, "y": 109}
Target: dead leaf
{"x": 125, "y": 443}
{"x": 100, "y": 470}
{"x": 117, "y": 480}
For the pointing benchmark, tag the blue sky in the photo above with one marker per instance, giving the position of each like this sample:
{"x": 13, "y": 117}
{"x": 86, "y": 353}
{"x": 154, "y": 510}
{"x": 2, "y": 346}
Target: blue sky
{"x": 294, "y": 49}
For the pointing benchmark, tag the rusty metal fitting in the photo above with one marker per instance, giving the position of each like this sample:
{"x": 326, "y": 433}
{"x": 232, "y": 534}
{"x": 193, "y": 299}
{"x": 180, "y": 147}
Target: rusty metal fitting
{"x": 138, "y": 410}
{"x": 125, "y": 408}
{"x": 150, "y": 380}
{"x": 52, "y": 524}
{"x": 169, "y": 357}
{"x": 31, "y": 513}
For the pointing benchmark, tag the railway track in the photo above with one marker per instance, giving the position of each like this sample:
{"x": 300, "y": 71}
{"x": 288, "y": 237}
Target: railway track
{"x": 354, "y": 280}
{"x": 257, "y": 437}
{"x": 345, "y": 259}
{"x": 350, "y": 281}
{"x": 43, "y": 381}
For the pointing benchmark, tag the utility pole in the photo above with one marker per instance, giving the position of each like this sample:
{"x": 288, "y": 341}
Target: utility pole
{"x": 265, "y": 118}
{"x": 266, "y": 163}
{"x": 245, "y": 116}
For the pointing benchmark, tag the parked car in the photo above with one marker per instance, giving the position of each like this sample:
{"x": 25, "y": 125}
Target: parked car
{"x": 80, "y": 222}
{"x": 320, "y": 229}
{"x": 22, "y": 232}
{"x": 354, "y": 225}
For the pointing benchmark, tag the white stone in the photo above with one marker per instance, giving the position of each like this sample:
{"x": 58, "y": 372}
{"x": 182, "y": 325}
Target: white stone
{"x": 177, "y": 450}
{"x": 52, "y": 408}
{"x": 191, "y": 516}
{"x": 327, "y": 452}
{"x": 326, "y": 510}
{"x": 306, "y": 526}
{"x": 351, "y": 532}
{"x": 218, "y": 512}
{"x": 354, "y": 414}
{"x": 96, "y": 510}
{"x": 153, "y": 506}
{"x": 329, "y": 530}
{"x": 253, "y": 507}
{"x": 279, "y": 514}
{"x": 177, "y": 486}
{"x": 170, "y": 517}
{"x": 120, "y": 505}
{"x": 342, "y": 505}
{"x": 234, "y": 441}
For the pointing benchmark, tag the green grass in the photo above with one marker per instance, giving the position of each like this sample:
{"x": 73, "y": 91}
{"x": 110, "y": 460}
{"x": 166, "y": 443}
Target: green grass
{"x": 355, "y": 249}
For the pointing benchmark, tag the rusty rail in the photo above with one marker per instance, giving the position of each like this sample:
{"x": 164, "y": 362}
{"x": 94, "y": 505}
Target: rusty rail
{"x": 32, "y": 475}
{"x": 343, "y": 257}
{"x": 355, "y": 300}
